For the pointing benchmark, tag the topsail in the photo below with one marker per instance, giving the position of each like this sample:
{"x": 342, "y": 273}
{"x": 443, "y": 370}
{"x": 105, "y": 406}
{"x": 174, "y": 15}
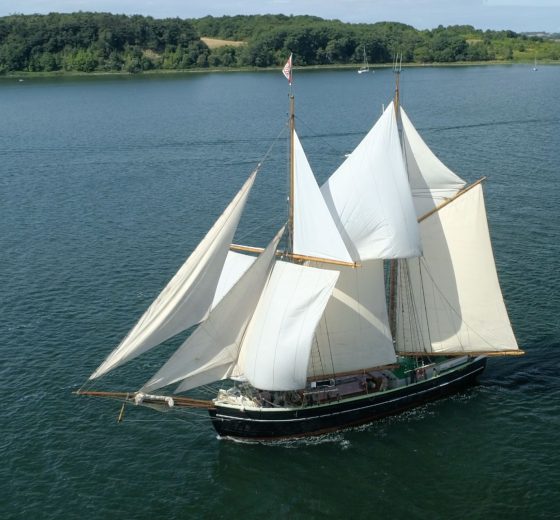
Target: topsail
{"x": 370, "y": 196}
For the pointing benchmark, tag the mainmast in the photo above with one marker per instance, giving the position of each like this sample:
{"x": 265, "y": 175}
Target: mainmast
{"x": 393, "y": 264}
{"x": 397, "y": 67}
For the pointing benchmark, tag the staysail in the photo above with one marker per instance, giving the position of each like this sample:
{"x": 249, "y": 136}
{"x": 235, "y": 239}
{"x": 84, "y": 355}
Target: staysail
{"x": 370, "y": 198}
{"x": 211, "y": 351}
{"x": 187, "y": 298}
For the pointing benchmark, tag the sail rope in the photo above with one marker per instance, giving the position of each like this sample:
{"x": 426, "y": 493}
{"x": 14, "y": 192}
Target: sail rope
{"x": 312, "y": 357}
{"x": 455, "y": 312}
{"x": 264, "y": 224}
{"x": 207, "y": 389}
{"x": 424, "y": 302}
{"x": 330, "y": 349}
{"x": 323, "y": 138}
{"x": 184, "y": 416}
{"x": 425, "y": 309}
{"x": 409, "y": 303}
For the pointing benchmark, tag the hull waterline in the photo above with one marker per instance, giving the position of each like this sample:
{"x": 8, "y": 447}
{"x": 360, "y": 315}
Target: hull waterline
{"x": 279, "y": 423}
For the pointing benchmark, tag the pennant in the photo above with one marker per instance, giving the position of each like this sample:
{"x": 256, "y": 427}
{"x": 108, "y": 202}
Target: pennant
{"x": 287, "y": 70}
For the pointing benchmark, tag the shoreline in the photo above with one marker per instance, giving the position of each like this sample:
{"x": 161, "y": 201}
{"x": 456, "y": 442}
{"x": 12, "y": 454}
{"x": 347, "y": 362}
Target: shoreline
{"x": 59, "y": 73}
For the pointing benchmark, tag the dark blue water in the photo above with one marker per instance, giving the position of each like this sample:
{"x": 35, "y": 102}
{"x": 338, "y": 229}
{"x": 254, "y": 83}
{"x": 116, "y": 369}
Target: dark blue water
{"x": 106, "y": 185}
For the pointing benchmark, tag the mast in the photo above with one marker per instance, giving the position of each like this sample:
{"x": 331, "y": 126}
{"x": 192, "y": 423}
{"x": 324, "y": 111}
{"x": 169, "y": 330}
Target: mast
{"x": 397, "y": 71}
{"x": 292, "y": 173}
{"x": 330, "y": 249}
{"x": 393, "y": 264}
{"x": 287, "y": 71}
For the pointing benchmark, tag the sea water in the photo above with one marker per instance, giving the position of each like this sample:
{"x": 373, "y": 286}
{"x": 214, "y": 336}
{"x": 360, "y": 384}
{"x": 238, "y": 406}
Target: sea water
{"x": 107, "y": 184}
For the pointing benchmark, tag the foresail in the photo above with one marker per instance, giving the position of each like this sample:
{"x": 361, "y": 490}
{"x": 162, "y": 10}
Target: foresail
{"x": 275, "y": 353}
{"x": 370, "y": 197}
{"x": 212, "y": 349}
{"x": 187, "y": 298}
{"x": 353, "y": 332}
{"x": 430, "y": 180}
{"x": 315, "y": 233}
{"x": 450, "y": 299}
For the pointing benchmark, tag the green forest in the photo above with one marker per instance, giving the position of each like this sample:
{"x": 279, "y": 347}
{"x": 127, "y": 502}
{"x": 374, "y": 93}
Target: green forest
{"x": 103, "y": 42}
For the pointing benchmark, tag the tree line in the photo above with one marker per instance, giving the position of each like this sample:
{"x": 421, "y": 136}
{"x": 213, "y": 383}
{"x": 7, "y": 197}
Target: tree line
{"x": 103, "y": 42}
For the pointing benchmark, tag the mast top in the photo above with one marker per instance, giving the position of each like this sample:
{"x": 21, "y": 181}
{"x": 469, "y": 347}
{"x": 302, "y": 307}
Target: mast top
{"x": 397, "y": 68}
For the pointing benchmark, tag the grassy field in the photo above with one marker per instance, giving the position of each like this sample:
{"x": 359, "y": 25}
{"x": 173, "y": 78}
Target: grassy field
{"x": 213, "y": 43}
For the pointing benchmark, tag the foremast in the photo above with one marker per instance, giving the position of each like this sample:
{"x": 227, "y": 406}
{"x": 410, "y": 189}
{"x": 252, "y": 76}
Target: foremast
{"x": 292, "y": 126}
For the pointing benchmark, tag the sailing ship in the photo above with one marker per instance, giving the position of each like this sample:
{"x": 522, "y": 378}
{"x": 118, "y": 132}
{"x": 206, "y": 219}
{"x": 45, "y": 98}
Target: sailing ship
{"x": 365, "y": 66}
{"x": 379, "y": 293}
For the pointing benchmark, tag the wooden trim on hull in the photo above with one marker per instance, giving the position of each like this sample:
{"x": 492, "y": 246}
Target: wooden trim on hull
{"x": 495, "y": 353}
{"x": 271, "y": 424}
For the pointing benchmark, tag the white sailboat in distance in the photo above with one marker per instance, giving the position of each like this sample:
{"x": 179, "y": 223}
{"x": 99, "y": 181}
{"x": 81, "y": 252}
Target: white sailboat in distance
{"x": 365, "y": 66}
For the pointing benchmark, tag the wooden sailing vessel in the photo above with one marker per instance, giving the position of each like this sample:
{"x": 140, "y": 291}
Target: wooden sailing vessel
{"x": 302, "y": 335}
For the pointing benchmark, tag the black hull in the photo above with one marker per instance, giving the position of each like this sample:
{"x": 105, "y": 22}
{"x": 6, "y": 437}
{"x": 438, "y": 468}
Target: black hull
{"x": 269, "y": 423}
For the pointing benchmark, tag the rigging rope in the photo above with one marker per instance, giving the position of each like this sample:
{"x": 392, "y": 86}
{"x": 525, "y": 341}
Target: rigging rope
{"x": 454, "y": 311}
{"x": 264, "y": 224}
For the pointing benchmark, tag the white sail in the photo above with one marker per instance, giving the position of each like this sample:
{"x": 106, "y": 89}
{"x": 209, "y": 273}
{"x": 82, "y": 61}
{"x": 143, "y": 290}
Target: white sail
{"x": 235, "y": 266}
{"x": 186, "y": 299}
{"x": 315, "y": 233}
{"x": 430, "y": 180}
{"x": 370, "y": 196}
{"x": 278, "y": 341}
{"x": 450, "y": 299}
{"x": 212, "y": 349}
{"x": 354, "y": 331}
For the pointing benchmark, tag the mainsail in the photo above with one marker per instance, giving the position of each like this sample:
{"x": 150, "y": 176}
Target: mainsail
{"x": 187, "y": 298}
{"x": 450, "y": 299}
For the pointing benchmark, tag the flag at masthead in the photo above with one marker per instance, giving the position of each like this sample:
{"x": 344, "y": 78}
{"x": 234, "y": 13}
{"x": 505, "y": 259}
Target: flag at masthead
{"x": 287, "y": 70}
